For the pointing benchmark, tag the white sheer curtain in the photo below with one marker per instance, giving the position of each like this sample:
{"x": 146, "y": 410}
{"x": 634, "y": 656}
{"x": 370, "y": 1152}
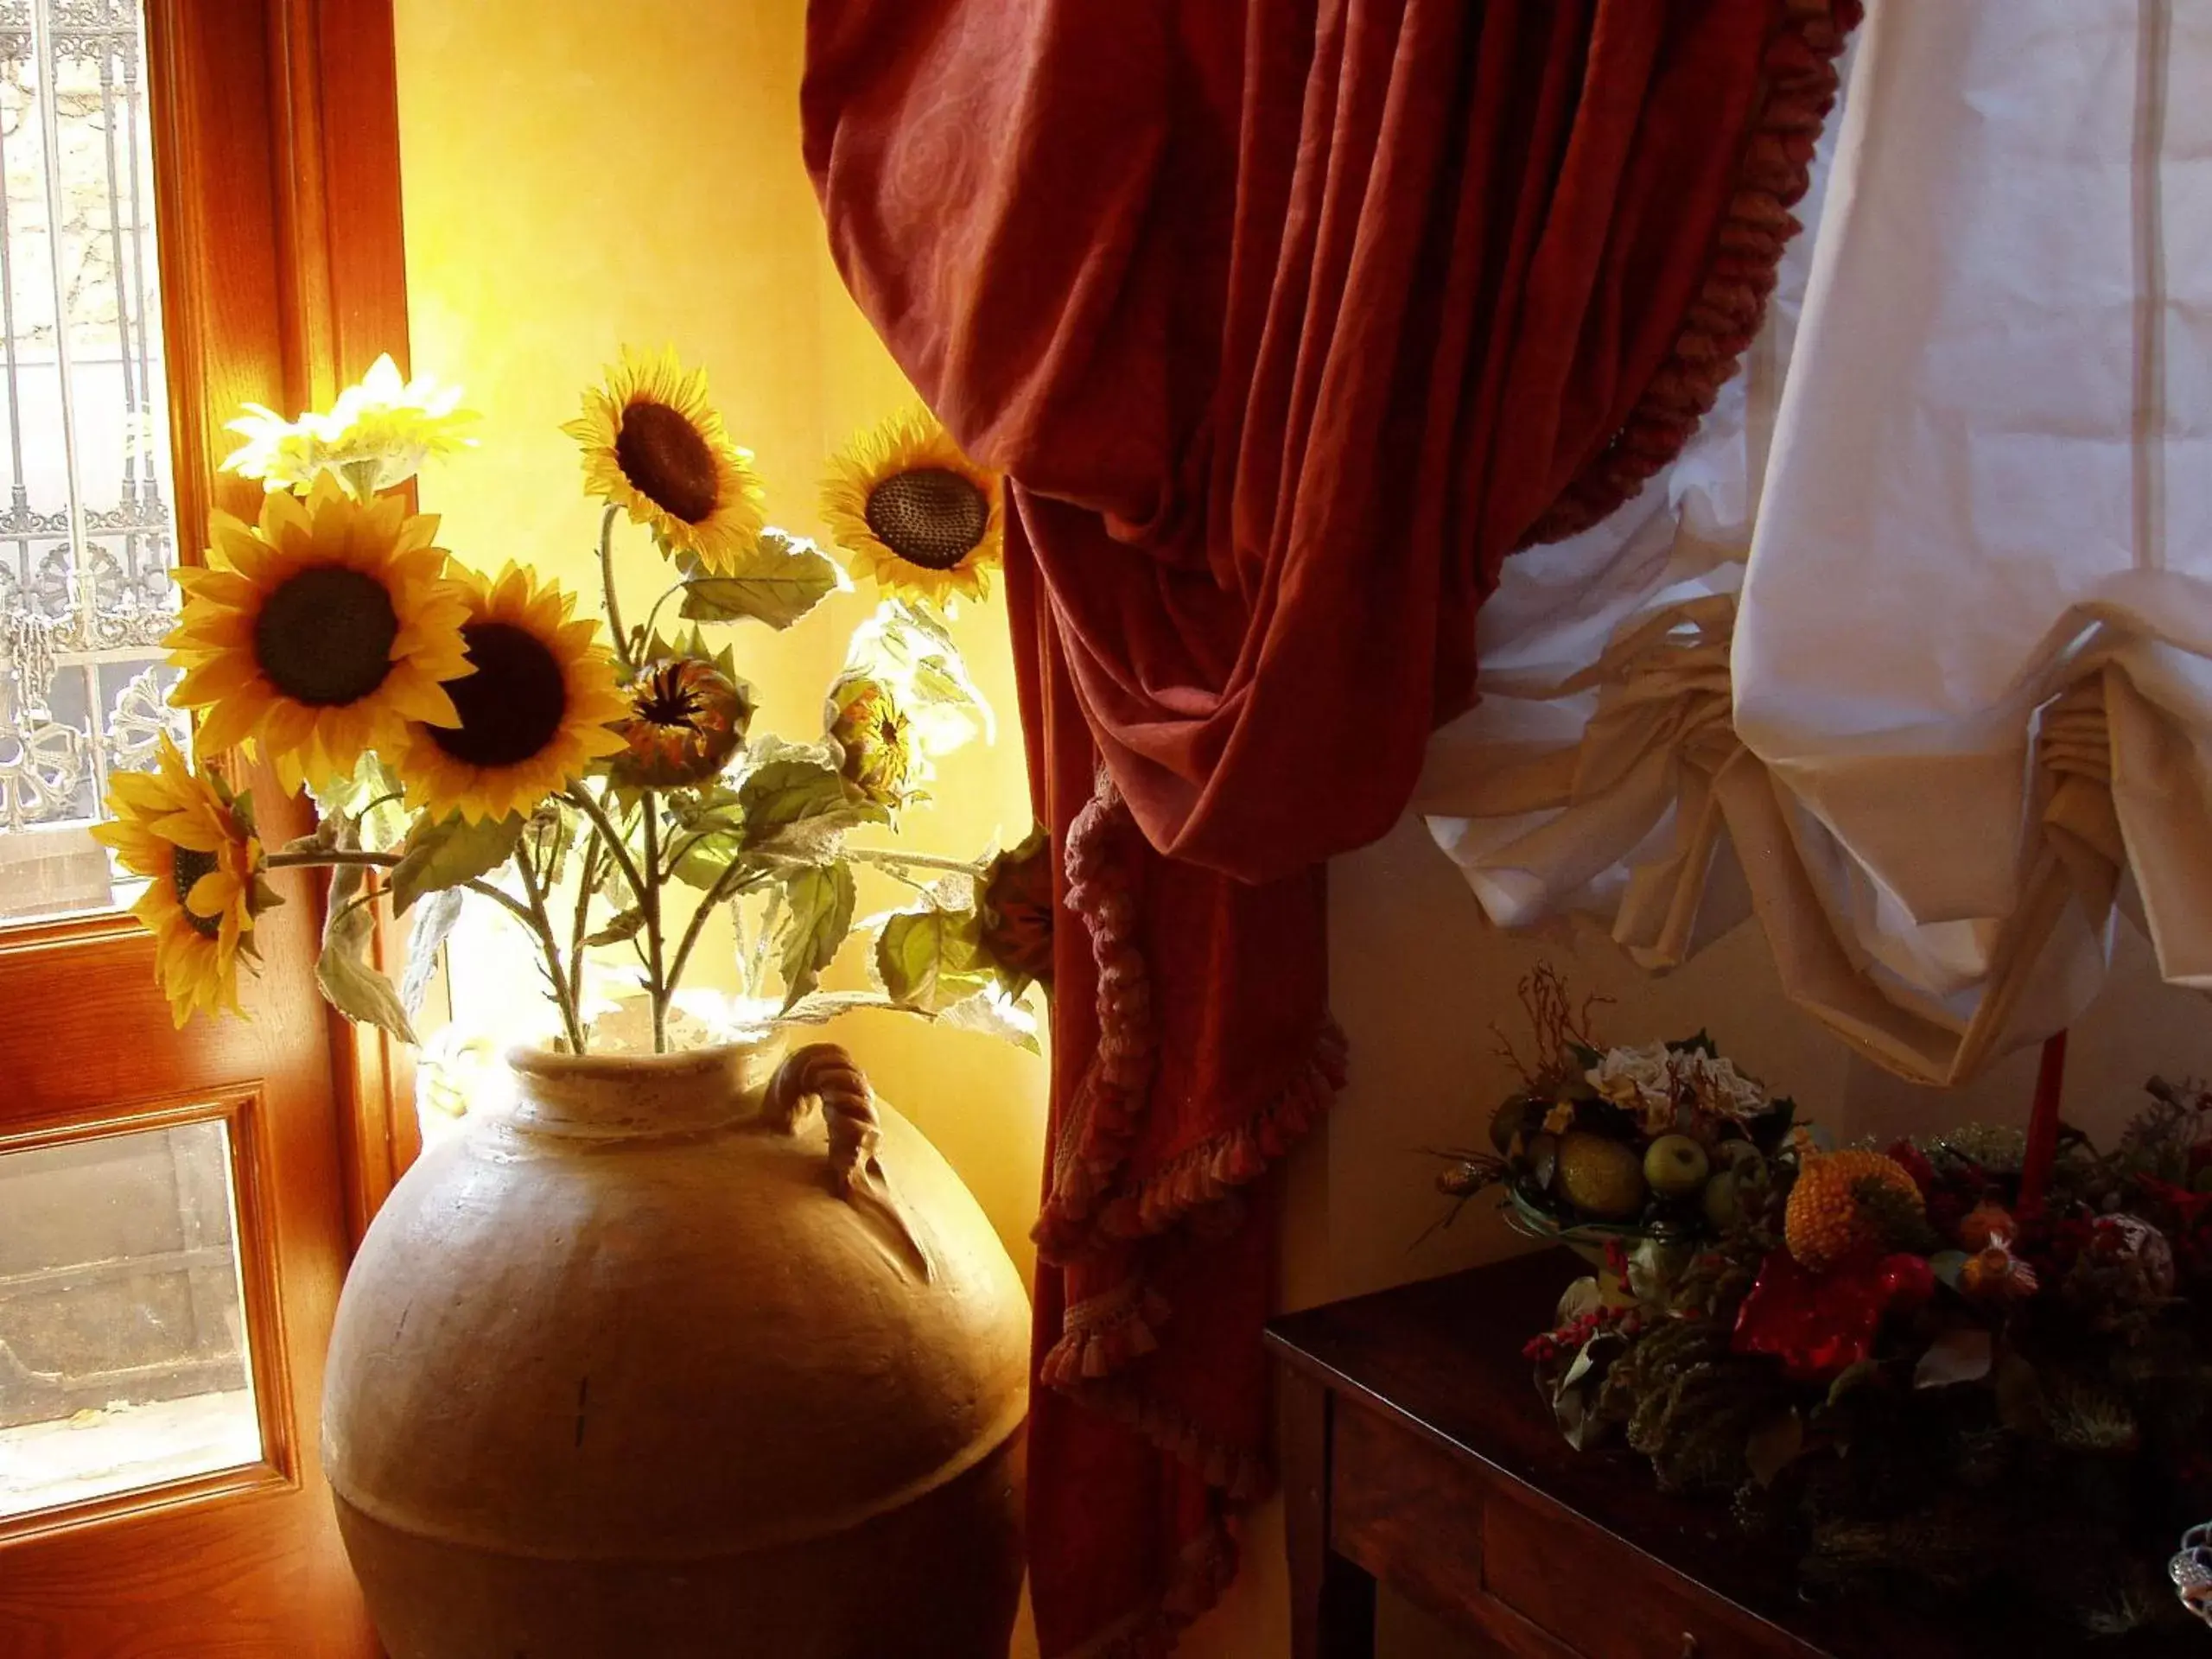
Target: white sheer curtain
{"x": 1911, "y": 651}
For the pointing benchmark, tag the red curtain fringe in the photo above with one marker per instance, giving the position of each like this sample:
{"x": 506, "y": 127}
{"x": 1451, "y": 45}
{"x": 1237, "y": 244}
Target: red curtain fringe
{"x": 1109, "y": 1103}
{"x": 1774, "y": 172}
{"x": 1213, "y": 1170}
{"x": 1101, "y": 1336}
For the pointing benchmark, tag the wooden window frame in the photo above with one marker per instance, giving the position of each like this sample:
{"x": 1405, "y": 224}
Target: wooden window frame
{"x": 290, "y": 210}
{"x": 255, "y": 1247}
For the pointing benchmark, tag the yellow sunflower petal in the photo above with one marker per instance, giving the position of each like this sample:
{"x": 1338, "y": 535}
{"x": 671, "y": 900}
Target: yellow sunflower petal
{"x": 220, "y": 677}
{"x": 226, "y": 725}
{"x": 212, "y": 894}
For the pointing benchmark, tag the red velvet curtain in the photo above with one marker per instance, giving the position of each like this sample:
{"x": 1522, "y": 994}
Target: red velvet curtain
{"x": 1288, "y": 320}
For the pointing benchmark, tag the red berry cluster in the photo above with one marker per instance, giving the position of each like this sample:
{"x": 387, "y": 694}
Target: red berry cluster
{"x": 1576, "y": 1334}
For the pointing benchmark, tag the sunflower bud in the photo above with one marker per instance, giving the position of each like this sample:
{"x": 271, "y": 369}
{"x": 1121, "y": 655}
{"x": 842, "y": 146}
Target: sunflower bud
{"x": 687, "y": 718}
{"x": 877, "y": 741}
{"x": 1018, "y": 908}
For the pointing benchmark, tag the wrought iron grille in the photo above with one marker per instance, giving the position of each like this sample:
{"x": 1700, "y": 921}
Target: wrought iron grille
{"x": 86, "y": 536}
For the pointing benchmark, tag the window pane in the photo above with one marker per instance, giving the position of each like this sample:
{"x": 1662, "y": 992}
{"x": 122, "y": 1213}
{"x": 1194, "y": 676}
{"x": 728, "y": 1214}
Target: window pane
{"x": 86, "y": 538}
{"x": 124, "y": 1361}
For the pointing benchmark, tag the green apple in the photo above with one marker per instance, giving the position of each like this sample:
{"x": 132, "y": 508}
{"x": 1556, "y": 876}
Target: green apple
{"x": 1724, "y": 1201}
{"x": 1676, "y": 1166}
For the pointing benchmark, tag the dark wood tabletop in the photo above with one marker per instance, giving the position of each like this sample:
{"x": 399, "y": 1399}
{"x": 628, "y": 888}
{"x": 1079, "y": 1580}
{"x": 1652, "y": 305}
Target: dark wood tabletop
{"x": 1441, "y": 1361}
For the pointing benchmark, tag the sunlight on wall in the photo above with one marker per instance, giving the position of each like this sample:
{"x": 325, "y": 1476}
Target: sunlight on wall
{"x": 577, "y": 178}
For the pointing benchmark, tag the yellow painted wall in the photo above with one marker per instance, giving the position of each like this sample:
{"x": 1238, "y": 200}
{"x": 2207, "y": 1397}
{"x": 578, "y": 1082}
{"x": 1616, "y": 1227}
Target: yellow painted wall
{"x": 577, "y": 176}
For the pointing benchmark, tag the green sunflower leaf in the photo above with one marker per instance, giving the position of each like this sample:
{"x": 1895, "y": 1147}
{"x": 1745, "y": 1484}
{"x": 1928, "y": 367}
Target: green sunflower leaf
{"x": 992, "y": 1014}
{"x": 348, "y": 983}
{"x": 448, "y": 852}
{"x": 779, "y": 580}
{"x": 433, "y": 919}
{"x": 801, "y": 788}
{"x": 914, "y": 650}
{"x": 817, "y": 915}
{"x": 932, "y": 958}
{"x": 708, "y": 833}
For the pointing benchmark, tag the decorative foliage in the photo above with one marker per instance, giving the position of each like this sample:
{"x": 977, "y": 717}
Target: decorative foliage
{"x": 470, "y": 735}
{"x": 1885, "y": 1362}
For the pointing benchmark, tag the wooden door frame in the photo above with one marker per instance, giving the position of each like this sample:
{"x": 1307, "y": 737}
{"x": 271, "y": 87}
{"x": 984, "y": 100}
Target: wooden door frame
{"x": 283, "y": 275}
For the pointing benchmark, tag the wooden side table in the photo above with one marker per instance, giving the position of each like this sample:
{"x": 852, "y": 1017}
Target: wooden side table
{"x": 1417, "y": 1452}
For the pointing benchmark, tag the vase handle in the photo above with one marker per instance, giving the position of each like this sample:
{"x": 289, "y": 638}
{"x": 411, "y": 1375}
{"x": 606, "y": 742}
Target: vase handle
{"x": 824, "y": 1072}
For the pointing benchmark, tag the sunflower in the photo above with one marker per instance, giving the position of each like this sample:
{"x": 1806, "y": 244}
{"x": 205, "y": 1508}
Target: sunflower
{"x": 914, "y": 513}
{"x": 533, "y": 712}
{"x": 879, "y": 759}
{"x": 319, "y": 631}
{"x": 196, "y": 848}
{"x": 378, "y": 434}
{"x": 686, "y": 718}
{"x": 655, "y": 447}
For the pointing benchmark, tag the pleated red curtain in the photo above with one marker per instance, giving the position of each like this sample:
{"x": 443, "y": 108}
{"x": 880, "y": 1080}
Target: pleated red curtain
{"x": 1288, "y": 320}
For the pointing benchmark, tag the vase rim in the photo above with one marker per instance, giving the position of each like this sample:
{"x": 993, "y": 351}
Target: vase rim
{"x": 633, "y": 1096}
{"x": 535, "y": 1060}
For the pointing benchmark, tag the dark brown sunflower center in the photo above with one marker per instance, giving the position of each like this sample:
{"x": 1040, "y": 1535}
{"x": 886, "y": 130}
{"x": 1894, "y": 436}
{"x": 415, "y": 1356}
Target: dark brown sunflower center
{"x": 185, "y": 868}
{"x": 669, "y": 461}
{"x": 324, "y": 638}
{"x": 929, "y": 516}
{"x": 511, "y": 705}
{"x": 665, "y": 700}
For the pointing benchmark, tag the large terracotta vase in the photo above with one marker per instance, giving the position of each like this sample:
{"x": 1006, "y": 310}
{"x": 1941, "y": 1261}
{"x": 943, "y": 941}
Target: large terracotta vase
{"x": 664, "y": 1361}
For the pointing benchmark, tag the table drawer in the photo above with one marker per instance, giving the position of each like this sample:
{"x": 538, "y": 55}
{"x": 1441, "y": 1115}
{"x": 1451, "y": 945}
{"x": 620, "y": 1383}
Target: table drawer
{"x": 1411, "y": 1514}
{"x": 1606, "y": 1599}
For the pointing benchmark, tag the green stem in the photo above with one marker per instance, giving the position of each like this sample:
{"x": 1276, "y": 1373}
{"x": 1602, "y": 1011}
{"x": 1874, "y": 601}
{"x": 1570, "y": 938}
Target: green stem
{"x": 564, "y": 992}
{"x": 911, "y": 860}
{"x": 758, "y": 970}
{"x": 389, "y": 796}
{"x": 590, "y": 880}
{"x": 321, "y": 858}
{"x": 607, "y": 582}
{"x": 381, "y": 861}
{"x": 724, "y": 887}
{"x": 653, "y": 615}
{"x": 585, "y": 802}
{"x": 656, "y": 984}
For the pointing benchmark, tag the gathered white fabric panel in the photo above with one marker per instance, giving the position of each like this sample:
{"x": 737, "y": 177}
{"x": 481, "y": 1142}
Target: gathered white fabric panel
{"x": 1955, "y": 711}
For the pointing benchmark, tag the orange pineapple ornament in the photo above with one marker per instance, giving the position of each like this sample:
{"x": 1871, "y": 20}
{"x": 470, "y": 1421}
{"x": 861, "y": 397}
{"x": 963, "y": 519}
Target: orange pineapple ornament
{"x": 1828, "y": 1220}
